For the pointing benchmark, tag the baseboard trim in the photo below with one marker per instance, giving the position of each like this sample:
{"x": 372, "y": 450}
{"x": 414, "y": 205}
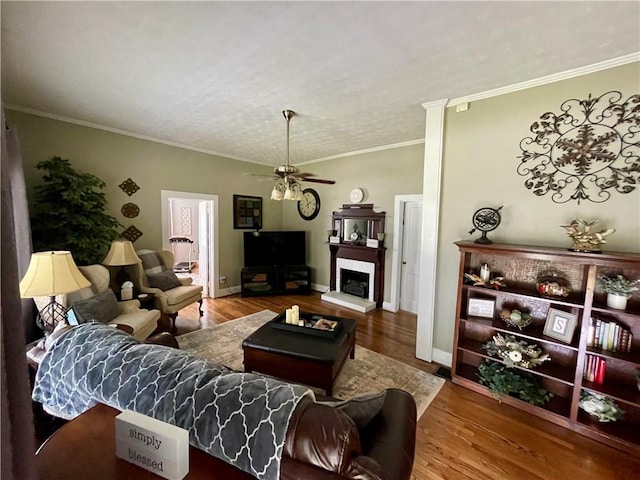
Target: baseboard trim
{"x": 320, "y": 288}
{"x": 442, "y": 357}
{"x": 225, "y": 292}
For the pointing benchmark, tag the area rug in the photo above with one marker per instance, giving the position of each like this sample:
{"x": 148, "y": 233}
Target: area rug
{"x": 368, "y": 372}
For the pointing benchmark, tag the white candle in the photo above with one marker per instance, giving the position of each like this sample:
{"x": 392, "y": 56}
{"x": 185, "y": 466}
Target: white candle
{"x": 296, "y": 314}
{"x": 485, "y": 273}
{"x": 289, "y": 317}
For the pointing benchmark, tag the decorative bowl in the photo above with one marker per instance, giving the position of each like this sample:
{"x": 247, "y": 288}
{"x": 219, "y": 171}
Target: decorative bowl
{"x": 515, "y": 318}
{"x": 553, "y": 286}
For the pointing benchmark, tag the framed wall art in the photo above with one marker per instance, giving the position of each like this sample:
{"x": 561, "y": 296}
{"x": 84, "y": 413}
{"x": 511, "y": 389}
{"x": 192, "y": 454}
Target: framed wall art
{"x": 247, "y": 212}
{"x": 560, "y": 325}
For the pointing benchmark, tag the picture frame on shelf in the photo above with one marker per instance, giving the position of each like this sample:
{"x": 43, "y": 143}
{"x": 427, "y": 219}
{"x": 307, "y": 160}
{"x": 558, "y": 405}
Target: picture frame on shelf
{"x": 560, "y": 325}
{"x": 247, "y": 212}
{"x": 480, "y": 307}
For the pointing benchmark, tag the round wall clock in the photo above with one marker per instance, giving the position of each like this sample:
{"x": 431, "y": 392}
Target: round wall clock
{"x": 356, "y": 195}
{"x": 309, "y": 206}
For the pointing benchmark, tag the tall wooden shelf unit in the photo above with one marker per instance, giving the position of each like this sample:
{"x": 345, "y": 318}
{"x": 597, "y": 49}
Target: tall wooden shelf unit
{"x": 521, "y": 265}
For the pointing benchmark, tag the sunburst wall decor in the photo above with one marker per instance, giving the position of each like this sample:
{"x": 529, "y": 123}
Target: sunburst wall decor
{"x": 586, "y": 152}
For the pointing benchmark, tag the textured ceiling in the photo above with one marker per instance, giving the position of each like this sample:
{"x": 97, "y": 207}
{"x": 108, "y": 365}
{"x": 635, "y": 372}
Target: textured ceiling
{"x": 216, "y": 75}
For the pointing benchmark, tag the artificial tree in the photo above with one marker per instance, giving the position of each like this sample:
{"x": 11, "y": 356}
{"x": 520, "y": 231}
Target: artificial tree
{"x": 68, "y": 213}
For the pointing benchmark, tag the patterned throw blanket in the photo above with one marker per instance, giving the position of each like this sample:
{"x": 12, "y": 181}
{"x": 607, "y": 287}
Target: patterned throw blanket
{"x": 240, "y": 418}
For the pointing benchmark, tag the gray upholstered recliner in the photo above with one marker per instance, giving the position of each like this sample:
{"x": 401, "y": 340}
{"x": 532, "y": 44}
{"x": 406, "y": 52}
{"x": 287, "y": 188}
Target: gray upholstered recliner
{"x": 155, "y": 275}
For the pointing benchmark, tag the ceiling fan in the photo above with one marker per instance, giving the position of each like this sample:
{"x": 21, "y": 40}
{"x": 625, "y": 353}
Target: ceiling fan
{"x": 288, "y": 176}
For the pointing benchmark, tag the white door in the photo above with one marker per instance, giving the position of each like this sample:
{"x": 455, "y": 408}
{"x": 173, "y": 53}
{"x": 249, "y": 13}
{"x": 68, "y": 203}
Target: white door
{"x": 410, "y": 268}
{"x": 204, "y": 241}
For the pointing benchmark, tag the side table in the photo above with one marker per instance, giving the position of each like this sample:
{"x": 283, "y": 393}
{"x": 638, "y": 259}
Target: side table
{"x": 34, "y": 353}
{"x": 146, "y": 299}
{"x": 85, "y": 448}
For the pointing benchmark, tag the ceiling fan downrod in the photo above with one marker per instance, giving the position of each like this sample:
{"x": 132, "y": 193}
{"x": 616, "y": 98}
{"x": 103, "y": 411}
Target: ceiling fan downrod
{"x": 287, "y": 116}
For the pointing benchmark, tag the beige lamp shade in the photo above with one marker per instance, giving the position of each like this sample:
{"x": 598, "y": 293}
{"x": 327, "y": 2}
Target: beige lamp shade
{"x": 51, "y": 273}
{"x": 121, "y": 253}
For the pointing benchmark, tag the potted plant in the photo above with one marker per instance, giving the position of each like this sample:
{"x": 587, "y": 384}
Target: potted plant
{"x": 618, "y": 290}
{"x": 68, "y": 212}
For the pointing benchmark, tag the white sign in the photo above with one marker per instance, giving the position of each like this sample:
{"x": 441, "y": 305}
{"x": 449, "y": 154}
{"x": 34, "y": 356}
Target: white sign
{"x": 153, "y": 445}
{"x": 334, "y": 239}
{"x": 478, "y": 307}
{"x": 372, "y": 242}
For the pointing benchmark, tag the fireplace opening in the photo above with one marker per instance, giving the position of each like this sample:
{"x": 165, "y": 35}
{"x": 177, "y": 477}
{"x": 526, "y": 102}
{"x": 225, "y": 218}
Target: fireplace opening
{"x": 354, "y": 283}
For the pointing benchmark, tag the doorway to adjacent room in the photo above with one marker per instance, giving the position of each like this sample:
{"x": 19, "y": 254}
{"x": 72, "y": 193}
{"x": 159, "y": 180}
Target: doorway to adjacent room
{"x": 407, "y": 235}
{"x": 191, "y": 220}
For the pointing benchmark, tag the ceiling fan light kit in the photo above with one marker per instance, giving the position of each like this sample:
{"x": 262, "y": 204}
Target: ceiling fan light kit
{"x": 287, "y": 186}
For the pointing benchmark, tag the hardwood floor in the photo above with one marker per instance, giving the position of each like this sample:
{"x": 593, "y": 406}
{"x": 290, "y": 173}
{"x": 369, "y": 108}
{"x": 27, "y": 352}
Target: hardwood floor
{"x": 462, "y": 435}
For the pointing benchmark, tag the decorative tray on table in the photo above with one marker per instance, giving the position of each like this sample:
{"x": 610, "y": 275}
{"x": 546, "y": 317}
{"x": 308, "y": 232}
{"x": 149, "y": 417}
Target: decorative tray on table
{"x": 314, "y": 324}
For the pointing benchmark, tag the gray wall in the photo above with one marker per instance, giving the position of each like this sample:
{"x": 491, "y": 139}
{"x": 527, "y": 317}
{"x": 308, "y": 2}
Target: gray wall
{"x": 383, "y": 175}
{"x": 154, "y": 167}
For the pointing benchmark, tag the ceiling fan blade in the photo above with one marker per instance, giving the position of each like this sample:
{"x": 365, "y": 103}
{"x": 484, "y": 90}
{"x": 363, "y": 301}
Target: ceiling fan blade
{"x": 318, "y": 180}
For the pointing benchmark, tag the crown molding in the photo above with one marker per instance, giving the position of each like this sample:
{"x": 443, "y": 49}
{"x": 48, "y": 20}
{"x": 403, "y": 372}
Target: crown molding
{"x": 443, "y": 102}
{"x": 556, "y": 77}
{"x": 97, "y": 126}
{"x": 576, "y": 72}
{"x": 366, "y": 150}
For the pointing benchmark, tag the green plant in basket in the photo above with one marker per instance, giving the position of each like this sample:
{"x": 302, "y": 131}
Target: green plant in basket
{"x": 618, "y": 285}
{"x": 502, "y": 380}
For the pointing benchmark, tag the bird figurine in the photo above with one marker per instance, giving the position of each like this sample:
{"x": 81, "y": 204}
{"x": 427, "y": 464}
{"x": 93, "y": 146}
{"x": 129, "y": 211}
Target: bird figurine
{"x": 584, "y": 236}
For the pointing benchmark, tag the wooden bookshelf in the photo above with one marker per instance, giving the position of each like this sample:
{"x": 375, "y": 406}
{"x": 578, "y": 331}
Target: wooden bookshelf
{"x": 521, "y": 266}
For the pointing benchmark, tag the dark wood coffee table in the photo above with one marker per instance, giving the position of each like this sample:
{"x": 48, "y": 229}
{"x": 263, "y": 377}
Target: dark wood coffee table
{"x": 300, "y": 357}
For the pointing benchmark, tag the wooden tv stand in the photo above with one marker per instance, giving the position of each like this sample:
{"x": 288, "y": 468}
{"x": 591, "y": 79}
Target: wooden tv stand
{"x": 276, "y": 280}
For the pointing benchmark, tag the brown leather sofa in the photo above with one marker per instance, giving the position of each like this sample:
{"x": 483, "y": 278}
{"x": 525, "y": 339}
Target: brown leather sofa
{"x": 323, "y": 443}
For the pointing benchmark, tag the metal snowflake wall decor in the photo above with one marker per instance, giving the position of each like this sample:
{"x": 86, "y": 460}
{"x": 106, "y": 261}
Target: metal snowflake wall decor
{"x": 584, "y": 153}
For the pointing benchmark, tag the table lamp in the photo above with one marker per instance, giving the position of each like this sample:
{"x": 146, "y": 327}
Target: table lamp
{"x": 120, "y": 254}
{"x": 50, "y": 274}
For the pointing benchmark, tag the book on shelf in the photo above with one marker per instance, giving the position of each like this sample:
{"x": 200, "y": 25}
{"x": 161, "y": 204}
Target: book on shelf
{"x": 594, "y": 369}
{"x": 609, "y": 335}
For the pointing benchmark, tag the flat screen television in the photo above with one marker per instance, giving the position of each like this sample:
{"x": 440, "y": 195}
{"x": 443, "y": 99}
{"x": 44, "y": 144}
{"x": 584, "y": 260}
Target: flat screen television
{"x": 270, "y": 249}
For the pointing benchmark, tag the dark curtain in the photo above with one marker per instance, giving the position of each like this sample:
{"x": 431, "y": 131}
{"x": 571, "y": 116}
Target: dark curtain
{"x": 17, "y": 415}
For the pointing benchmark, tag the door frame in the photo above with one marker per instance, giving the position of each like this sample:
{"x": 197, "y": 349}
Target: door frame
{"x": 214, "y": 218}
{"x": 396, "y": 258}
{"x": 205, "y": 207}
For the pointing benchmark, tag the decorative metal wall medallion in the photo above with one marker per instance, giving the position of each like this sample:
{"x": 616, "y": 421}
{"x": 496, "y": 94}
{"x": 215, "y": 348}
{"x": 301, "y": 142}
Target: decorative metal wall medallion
{"x": 129, "y": 187}
{"x": 130, "y": 210}
{"x": 132, "y": 234}
{"x": 584, "y": 153}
